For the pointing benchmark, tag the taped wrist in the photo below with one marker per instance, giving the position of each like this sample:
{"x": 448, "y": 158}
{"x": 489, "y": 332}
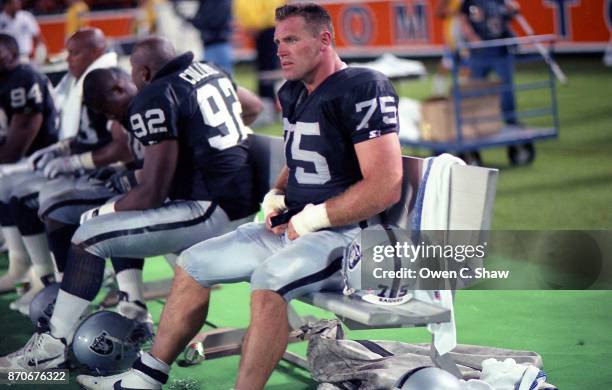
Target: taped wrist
{"x": 274, "y": 201}
{"x": 311, "y": 219}
{"x": 84, "y": 161}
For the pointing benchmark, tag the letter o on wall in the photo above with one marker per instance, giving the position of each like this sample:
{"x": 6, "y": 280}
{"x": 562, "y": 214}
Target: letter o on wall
{"x": 357, "y": 25}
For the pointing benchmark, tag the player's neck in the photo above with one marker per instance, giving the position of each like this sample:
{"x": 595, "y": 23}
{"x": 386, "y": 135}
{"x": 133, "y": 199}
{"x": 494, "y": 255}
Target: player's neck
{"x": 326, "y": 68}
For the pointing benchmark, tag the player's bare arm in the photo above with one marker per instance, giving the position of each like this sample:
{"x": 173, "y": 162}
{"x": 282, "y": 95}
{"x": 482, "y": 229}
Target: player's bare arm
{"x": 117, "y": 150}
{"x": 251, "y": 105}
{"x": 155, "y": 179}
{"x": 21, "y": 134}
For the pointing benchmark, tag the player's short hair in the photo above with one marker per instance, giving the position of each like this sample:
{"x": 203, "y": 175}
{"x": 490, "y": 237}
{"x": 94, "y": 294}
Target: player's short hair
{"x": 10, "y": 42}
{"x": 97, "y": 84}
{"x": 316, "y": 17}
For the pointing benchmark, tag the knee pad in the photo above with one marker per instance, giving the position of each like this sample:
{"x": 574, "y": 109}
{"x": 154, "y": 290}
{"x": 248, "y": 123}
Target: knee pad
{"x": 6, "y": 217}
{"x": 26, "y": 217}
{"x": 58, "y": 237}
{"x": 84, "y": 274}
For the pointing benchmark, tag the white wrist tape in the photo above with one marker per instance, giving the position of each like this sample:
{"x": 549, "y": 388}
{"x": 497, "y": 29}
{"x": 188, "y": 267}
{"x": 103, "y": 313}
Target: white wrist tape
{"x": 106, "y": 208}
{"x": 86, "y": 160}
{"x": 311, "y": 219}
{"x": 274, "y": 201}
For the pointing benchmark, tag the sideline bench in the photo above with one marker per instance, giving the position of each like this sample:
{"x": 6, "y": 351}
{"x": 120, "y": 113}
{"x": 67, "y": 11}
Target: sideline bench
{"x": 471, "y": 204}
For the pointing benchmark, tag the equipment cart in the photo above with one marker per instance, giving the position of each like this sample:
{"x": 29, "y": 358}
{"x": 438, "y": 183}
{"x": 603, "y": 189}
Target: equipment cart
{"x": 518, "y": 139}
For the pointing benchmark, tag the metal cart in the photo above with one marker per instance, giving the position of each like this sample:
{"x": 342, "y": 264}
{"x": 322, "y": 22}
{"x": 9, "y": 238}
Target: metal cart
{"x": 518, "y": 139}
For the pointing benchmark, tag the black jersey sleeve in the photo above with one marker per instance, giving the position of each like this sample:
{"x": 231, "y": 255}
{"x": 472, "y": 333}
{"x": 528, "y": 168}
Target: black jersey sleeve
{"x": 370, "y": 110}
{"x": 153, "y": 118}
{"x": 26, "y": 96}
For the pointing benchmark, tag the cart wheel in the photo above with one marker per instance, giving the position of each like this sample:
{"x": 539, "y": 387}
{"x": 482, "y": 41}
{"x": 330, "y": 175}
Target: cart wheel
{"x": 521, "y": 154}
{"x": 471, "y": 158}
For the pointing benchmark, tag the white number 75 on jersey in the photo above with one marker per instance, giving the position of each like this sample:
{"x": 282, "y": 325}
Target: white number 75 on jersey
{"x": 387, "y": 108}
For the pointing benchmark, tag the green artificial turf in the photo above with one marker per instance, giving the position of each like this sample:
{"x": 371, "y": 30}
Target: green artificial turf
{"x": 568, "y": 186}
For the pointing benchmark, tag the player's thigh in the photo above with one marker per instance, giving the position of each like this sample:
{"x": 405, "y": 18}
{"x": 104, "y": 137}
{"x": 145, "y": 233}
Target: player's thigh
{"x": 310, "y": 263}
{"x": 68, "y": 205}
{"x": 27, "y": 191}
{"x": 171, "y": 228}
{"x": 231, "y": 257}
{"x": 9, "y": 182}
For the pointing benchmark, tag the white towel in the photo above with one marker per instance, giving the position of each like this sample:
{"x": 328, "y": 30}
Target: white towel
{"x": 510, "y": 375}
{"x": 70, "y": 94}
{"x": 433, "y": 214}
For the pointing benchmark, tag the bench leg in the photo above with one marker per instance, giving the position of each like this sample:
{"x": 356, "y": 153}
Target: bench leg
{"x": 444, "y": 362}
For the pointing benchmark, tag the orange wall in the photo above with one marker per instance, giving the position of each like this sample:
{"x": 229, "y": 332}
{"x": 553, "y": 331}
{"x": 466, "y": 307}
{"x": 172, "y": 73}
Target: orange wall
{"x": 375, "y": 26}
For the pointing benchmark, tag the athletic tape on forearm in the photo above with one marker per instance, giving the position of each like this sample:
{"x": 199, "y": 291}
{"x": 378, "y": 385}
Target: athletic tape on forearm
{"x": 311, "y": 219}
{"x": 274, "y": 201}
{"x": 86, "y": 160}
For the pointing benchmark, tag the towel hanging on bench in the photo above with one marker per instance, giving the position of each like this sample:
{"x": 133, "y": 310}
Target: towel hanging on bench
{"x": 431, "y": 212}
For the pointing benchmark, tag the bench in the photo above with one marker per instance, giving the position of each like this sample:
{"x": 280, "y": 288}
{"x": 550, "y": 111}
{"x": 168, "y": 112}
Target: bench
{"x": 472, "y": 196}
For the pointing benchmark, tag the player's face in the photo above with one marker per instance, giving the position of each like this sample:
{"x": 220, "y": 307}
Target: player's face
{"x": 298, "y": 49}
{"x": 6, "y": 58}
{"x": 117, "y": 99}
{"x": 139, "y": 72}
{"x": 79, "y": 57}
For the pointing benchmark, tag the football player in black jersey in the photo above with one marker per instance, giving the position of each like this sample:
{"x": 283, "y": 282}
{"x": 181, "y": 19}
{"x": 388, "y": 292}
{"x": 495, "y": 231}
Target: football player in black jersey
{"x": 83, "y": 133}
{"x": 343, "y": 168}
{"x": 196, "y": 181}
{"x": 28, "y": 122}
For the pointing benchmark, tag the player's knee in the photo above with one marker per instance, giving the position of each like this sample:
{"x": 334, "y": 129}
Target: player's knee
{"x": 269, "y": 276}
{"x": 82, "y": 239}
{"x": 194, "y": 264}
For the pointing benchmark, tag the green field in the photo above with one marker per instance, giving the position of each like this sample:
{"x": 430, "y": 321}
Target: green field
{"x": 569, "y": 186}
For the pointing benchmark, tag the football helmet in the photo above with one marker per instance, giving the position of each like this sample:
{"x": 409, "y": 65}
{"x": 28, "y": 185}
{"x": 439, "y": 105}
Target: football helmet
{"x": 364, "y": 265}
{"x": 428, "y": 378}
{"x": 107, "y": 342}
{"x": 41, "y": 307}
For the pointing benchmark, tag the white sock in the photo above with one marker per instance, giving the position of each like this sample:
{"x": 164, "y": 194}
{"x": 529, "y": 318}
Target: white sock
{"x": 65, "y": 318}
{"x": 19, "y": 262}
{"x": 130, "y": 281}
{"x": 39, "y": 252}
{"x": 149, "y": 360}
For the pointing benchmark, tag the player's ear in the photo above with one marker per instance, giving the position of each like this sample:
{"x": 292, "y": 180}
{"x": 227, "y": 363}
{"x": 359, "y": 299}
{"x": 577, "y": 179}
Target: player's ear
{"x": 147, "y": 75}
{"x": 326, "y": 38}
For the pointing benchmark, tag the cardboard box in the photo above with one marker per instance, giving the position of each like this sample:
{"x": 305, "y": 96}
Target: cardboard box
{"x": 481, "y": 115}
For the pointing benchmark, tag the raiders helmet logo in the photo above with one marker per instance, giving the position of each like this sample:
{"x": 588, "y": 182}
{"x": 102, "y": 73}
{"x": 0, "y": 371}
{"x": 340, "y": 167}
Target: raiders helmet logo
{"x": 101, "y": 345}
{"x": 354, "y": 256}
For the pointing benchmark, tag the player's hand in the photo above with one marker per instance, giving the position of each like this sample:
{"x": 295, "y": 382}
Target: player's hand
{"x": 280, "y": 229}
{"x": 122, "y": 182}
{"x": 311, "y": 219}
{"x": 291, "y": 233}
{"x": 40, "y": 158}
{"x": 62, "y": 165}
{"x": 102, "y": 174}
{"x": 273, "y": 202}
